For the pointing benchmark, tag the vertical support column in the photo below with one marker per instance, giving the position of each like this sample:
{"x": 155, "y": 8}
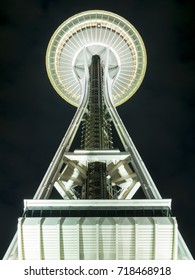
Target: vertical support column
{"x": 175, "y": 242}
{"x": 97, "y": 242}
{"x": 40, "y": 239}
{"x": 77, "y": 240}
{"x": 59, "y": 239}
{"x": 155, "y": 240}
{"x": 136, "y": 240}
{"x": 117, "y": 237}
{"x": 20, "y": 251}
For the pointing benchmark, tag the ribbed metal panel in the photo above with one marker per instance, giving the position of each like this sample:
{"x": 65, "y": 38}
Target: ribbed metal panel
{"x": 101, "y": 238}
{"x": 30, "y": 238}
{"x": 49, "y": 239}
{"x": 107, "y": 239}
{"x": 145, "y": 238}
{"x": 88, "y": 238}
{"x": 126, "y": 243}
{"x": 165, "y": 241}
{"x": 68, "y": 239}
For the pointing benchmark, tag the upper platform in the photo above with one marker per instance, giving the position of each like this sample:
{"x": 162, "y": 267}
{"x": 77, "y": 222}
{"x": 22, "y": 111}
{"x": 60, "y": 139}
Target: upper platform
{"x": 96, "y": 33}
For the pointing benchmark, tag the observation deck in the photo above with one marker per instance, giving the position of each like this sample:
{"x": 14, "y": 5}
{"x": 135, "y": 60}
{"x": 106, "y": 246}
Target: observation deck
{"x": 100, "y": 33}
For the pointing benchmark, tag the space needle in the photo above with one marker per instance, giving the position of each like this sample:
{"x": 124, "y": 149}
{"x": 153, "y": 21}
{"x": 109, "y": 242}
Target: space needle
{"x": 96, "y": 60}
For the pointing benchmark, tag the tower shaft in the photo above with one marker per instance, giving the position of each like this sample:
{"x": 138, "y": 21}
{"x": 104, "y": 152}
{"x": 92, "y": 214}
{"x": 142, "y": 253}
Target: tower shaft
{"x": 96, "y": 130}
{"x": 96, "y": 133}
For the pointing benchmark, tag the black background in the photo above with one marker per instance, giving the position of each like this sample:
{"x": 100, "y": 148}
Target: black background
{"x": 159, "y": 117}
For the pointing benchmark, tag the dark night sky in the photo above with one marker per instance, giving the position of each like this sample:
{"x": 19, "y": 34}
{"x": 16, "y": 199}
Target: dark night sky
{"x": 159, "y": 117}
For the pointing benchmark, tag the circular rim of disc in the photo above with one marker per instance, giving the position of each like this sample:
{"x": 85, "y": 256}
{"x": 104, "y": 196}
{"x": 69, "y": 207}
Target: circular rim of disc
{"x": 129, "y": 52}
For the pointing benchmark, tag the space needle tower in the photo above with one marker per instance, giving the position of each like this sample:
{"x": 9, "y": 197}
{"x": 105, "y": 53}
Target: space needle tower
{"x": 96, "y": 61}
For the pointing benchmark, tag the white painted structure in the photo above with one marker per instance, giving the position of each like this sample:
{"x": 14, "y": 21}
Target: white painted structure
{"x": 98, "y": 234}
{"x": 99, "y": 238}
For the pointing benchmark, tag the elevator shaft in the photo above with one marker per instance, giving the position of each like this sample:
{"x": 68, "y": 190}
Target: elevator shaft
{"x": 96, "y": 127}
{"x": 96, "y": 133}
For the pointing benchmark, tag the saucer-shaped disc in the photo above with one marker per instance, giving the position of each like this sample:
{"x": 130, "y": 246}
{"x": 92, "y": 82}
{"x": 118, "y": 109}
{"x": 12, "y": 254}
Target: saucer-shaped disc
{"x": 94, "y": 33}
